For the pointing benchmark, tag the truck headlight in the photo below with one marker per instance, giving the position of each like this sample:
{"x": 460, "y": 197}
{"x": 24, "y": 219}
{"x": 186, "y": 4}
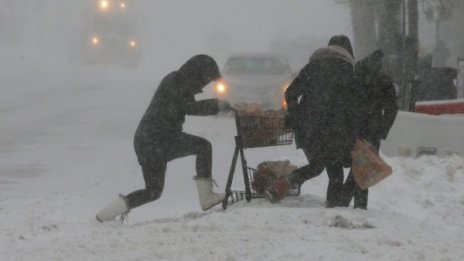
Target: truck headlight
{"x": 95, "y": 40}
{"x": 104, "y": 4}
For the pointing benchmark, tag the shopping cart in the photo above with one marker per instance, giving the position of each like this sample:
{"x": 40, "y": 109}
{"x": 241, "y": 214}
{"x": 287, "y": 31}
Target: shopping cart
{"x": 255, "y": 130}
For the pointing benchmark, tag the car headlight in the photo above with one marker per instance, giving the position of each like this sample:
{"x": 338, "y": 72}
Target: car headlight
{"x": 284, "y": 88}
{"x": 220, "y": 88}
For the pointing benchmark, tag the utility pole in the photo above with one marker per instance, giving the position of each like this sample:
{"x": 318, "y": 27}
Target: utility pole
{"x": 409, "y": 50}
{"x": 363, "y": 19}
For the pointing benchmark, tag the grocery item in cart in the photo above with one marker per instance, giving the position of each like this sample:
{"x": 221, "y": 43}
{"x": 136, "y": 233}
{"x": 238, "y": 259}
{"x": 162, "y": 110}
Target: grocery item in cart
{"x": 272, "y": 173}
{"x": 251, "y": 109}
{"x": 262, "y": 128}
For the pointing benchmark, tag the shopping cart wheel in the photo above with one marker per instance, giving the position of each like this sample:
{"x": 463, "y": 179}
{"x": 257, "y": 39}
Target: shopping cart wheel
{"x": 248, "y": 196}
{"x": 225, "y": 201}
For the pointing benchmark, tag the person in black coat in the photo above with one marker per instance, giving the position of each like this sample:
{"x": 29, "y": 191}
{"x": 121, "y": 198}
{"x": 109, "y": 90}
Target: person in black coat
{"x": 321, "y": 111}
{"x": 379, "y": 114}
{"x": 159, "y": 137}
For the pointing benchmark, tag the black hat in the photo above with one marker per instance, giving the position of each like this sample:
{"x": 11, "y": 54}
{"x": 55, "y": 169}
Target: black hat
{"x": 200, "y": 69}
{"x": 342, "y": 41}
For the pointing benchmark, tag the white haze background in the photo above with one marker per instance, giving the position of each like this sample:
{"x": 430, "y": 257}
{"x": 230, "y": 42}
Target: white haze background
{"x": 66, "y": 149}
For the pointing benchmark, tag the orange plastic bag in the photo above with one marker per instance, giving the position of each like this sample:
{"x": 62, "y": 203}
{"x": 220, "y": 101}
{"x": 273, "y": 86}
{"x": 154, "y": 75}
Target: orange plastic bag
{"x": 367, "y": 166}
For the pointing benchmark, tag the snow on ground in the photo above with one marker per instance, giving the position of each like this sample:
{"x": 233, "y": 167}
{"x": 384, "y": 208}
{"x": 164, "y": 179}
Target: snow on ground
{"x": 66, "y": 151}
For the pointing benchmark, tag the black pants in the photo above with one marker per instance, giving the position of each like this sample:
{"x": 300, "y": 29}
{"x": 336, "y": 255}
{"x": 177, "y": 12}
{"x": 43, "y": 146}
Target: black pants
{"x": 314, "y": 168}
{"x": 352, "y": 190}
{"x": 155, "y": 160}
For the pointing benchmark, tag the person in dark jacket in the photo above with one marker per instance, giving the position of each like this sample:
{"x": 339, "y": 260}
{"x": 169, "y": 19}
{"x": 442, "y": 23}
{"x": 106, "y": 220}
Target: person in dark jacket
{"x": 159, "y": 137}
{"x": 379, "y": 114}
{"x": 322, "y": 103}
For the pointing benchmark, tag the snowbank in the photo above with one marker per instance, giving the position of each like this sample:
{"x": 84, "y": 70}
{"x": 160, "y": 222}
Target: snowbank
{"x": 416, "y": 134}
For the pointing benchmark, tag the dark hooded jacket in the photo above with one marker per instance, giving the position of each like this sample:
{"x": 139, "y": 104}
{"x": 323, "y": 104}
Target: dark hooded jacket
{"x": 322, "y": 103}
{"x": 380, "y": 106}
{"x": 173, "y": 100}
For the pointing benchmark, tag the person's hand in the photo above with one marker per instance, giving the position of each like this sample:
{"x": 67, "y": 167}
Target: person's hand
{"x": 224, "y": 106}
{"x": 291, "y": 121}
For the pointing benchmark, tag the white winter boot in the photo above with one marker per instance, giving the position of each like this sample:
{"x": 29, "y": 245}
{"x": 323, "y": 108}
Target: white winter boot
{"x": 208, "y": 198}
{"x": 114, "y": 209}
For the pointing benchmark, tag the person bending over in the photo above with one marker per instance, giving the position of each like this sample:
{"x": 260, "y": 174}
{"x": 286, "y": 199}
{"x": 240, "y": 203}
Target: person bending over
{"x": 159, "y": 137}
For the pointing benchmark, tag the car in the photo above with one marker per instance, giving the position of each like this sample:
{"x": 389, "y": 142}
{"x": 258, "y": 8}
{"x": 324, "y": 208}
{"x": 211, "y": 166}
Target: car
{"x": 255, "y": 78}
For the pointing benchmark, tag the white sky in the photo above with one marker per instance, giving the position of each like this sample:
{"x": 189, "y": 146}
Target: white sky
{"x": 174, "y": 30}
{"x": 241, "y": 25}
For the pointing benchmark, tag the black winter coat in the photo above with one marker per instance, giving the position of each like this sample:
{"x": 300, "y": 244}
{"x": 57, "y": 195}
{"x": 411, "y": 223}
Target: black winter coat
{"x": 164, "y": 117}
{"x": 380, "y": 110}
{"x": 323, "y": 104}
{"x": 380, "y": 106}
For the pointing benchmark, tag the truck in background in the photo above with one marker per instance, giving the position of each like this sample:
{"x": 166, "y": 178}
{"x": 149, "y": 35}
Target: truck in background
{"x": 110, "y": 33}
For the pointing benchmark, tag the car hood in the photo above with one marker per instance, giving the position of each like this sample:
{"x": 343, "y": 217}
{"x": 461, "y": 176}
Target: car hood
{"x": 250, "y": 81}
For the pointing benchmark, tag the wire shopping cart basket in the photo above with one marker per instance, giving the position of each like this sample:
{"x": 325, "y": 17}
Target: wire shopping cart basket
{"x": 253, "y": 131}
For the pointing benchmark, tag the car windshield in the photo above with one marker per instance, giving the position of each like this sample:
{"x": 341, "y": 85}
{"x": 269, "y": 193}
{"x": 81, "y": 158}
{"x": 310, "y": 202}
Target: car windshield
{"x": 256, "y": 65}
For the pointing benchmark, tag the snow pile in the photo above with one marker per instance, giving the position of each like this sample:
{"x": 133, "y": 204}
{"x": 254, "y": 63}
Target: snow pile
{"x": 439, "y": 135}
{"x": 414, "y": 215}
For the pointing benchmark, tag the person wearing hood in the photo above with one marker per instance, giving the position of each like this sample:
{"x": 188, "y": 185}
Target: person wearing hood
{"x": 379, "y": 114}
{"x": 159, "y": 137}
{"x": 322, "y": 111}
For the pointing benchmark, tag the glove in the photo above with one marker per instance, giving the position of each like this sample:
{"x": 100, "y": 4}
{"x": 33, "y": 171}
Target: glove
{"x": 291, "y": 121}
{"x": 224, "y": 106}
